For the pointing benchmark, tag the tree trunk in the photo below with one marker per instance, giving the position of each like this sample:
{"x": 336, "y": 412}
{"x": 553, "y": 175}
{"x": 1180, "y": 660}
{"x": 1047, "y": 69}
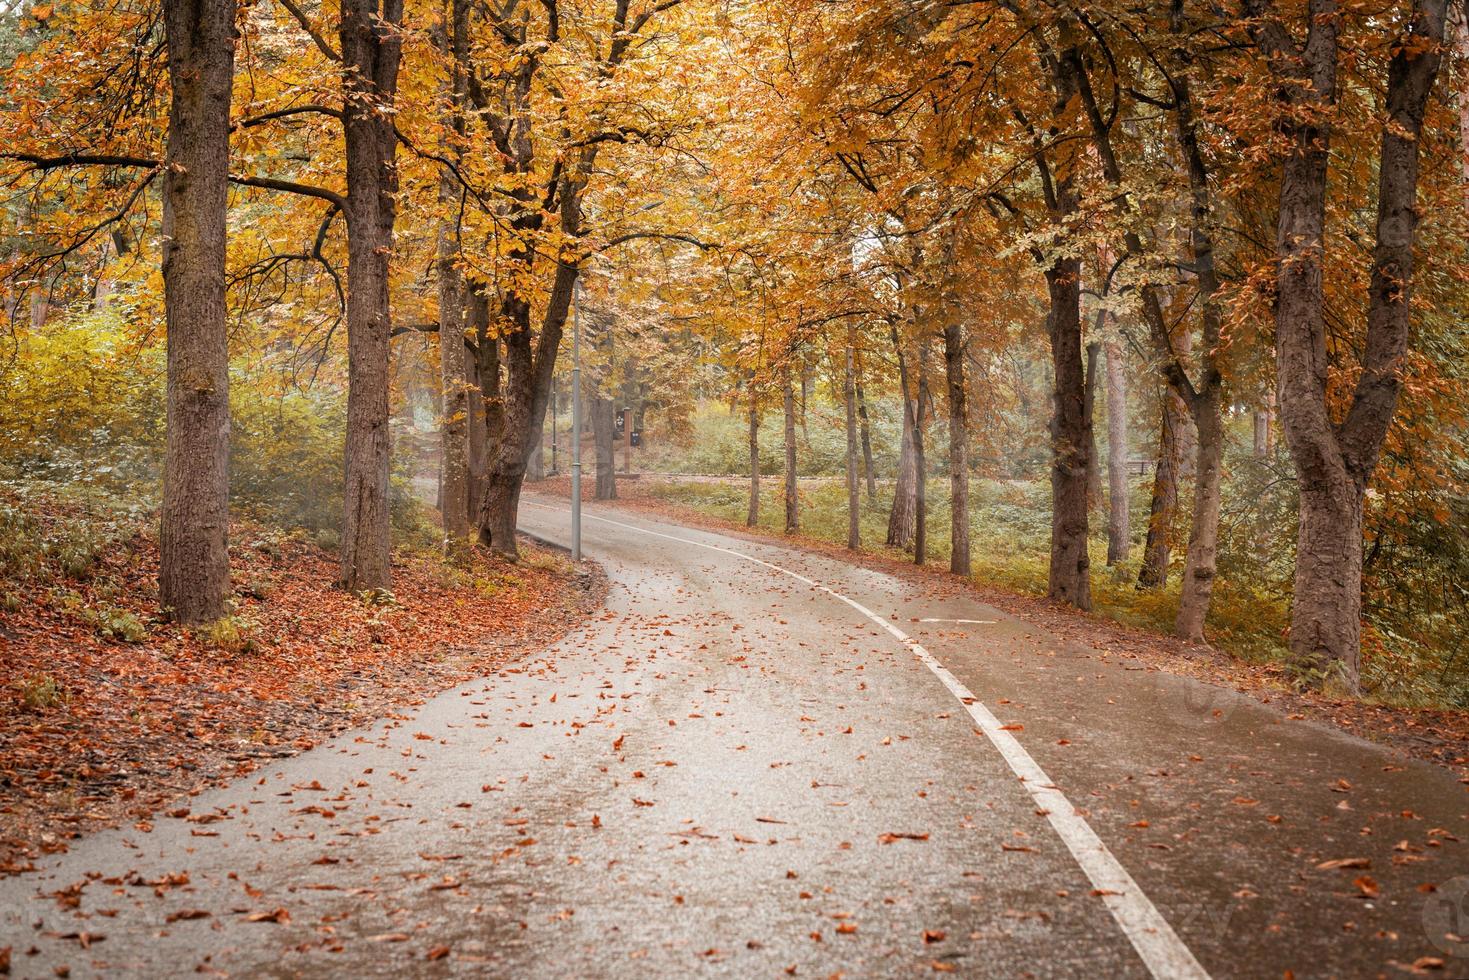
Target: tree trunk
{"x": 752, "y": 518}
{"x": 954, "y": 351}
{"x": 1119, "y": 517}
{"x": 1157, "y": 548}
{"x": 371, "y": 40}
{"x": 194, "y": 574}
{"x": 530, "y": 363}
{"x": 1094, "y": 458}
{"x": 792, "y": 501}
{"x": 920, "y": 461}
{"x": 854, "y": 499}
{"x": 604, "y": 428}
{"x": 1334, "y": 461}
{"x": 454, "y": 382}
{"x": 1071, "y": 439}
{"x": 1203, "y": 543}
{"x": 867, "y": 469}
{"x": 901, "y": 520}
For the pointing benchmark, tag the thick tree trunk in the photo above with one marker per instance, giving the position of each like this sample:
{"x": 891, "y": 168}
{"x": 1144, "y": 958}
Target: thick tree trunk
{"x": 530, "y": 364}
{"x": 1163, "y": 508}
{"x": 1071, "y": 440}
{"x": 752, "y": 517}
{"x": 854, "y": 498}
{"x": 1334, "y": 462}
{"x": 954, "y": 351}
{"x": 868, "y": 472}
{"x": 792, "y": 500}
{"x": 371, "y": 49}
{"x": 194, "y": 574}
{"x": 1119, "y": 517}
{"x": 604, "y": 428}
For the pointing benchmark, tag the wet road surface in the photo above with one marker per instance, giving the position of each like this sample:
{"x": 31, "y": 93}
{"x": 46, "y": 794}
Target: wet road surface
{"x": 785, "y": 766}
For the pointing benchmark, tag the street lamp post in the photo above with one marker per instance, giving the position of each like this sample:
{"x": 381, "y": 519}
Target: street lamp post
{"x": 576, "y": 420}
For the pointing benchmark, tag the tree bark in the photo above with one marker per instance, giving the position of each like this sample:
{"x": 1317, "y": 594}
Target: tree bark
{"x": 1070, "y": 579}
{"x": 1158, "y": 546}
{"x": 1094, "y": 458}
{"x": 954, "y": 352}
{"x": 1119, "y": 517}
{"x": 901, "y": 522}
{"x": 920, "y": 461}
{"x": 752, "y": 518}
{"x": 529, "y": 366}
{"x": 604, "y": 428}
{"x": 792, "y": 500}
{"x": 194, "y": 574}
{"x": 854, "y": 498}
{"x": 1334, "y": 462}
{"x": 868, "y": 472}
{"x": 371, "y": 40}
{"x": 453, "y": 380}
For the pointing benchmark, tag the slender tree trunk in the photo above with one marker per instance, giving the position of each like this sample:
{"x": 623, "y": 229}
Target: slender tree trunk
{"x": 792, "y": 500}
{"x": 954, "y": 352}
{"x": 901, "y": 520}
{"x": 194, "y": 574}
{"x": 854, "y": 499}
{"x": 868, "y": 471}
{"x": 604, "y": 428}
{"x": 1163, "y": 507}
{"x": 1262, "y": 433}
{"x": 752, "y": 518}
{"x": 476, "y": 434}
{"x": 1094, "y": 458}
{"x": 1071, "y": 439}
{"x": 371, "y": 49}
{"x": 454, "y": 382}
{"x": 920, "y": 461}
{"x": 1119, "y": 517}
{"x": 1203, "y": 544}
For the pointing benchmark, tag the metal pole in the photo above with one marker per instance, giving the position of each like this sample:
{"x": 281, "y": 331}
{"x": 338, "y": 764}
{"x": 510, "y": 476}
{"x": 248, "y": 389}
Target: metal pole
{"x": 576, "y": 420}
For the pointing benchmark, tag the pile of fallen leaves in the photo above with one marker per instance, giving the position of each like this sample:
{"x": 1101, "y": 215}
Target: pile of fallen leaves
{"x": 107, "y": 712}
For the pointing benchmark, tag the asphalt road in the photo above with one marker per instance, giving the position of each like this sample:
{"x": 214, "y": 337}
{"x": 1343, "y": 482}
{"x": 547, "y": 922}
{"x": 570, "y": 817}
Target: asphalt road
{"x": 760, "y": 762}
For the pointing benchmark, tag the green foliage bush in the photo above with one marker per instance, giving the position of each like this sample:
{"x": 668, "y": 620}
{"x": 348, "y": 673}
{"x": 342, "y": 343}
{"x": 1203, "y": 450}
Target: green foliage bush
{"x": 82, "y": 408}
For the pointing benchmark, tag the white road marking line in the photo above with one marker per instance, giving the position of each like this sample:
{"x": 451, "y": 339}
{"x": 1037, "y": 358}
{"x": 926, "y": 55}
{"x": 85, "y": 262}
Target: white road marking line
{"x": 977, "y": 622}
{"x": 1166, "y": 956}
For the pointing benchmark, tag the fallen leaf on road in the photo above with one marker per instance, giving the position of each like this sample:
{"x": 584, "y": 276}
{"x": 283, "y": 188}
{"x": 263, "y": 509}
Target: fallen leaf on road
{"x": 1344, "y": 863}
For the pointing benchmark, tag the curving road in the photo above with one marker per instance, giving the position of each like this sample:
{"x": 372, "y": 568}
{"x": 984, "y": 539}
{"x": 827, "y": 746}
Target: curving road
{"x": 760, "y": 762}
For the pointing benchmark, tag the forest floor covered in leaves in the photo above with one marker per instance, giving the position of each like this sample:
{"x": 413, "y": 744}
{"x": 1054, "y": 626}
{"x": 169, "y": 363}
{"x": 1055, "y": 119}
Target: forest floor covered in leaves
{"x": 110, "y": 714}
{"x": 1437, "y": 736}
